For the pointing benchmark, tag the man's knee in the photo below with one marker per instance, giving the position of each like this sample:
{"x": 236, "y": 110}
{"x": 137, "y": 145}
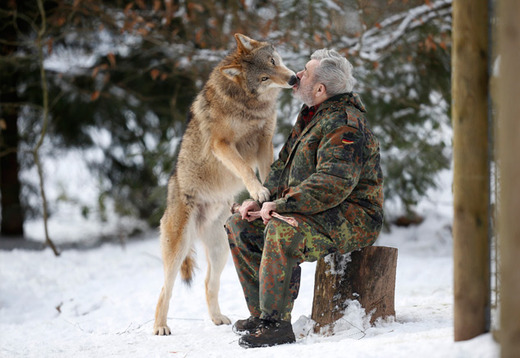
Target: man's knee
{"x": 233, "y": 221}
{"x": 233, "y": 227}
{"x": 302, "y": 242}
{"x": 276, "y": 227}
{"x": 239, "y": 230}
{"x": 281, "y": 235}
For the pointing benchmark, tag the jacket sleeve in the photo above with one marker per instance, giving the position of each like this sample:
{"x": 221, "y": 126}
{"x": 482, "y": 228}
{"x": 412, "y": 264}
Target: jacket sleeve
{"x": 273, "y": 177}
{"x": 339, "y": 161}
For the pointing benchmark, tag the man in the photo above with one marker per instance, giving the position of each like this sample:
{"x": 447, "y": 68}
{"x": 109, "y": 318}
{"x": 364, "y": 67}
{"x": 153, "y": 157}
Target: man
{"x": 327, "y": 177}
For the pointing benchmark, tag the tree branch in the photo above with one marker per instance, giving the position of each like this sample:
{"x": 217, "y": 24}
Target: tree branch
{"x": 45, "y": 94}
{"x": 373, "y": 42}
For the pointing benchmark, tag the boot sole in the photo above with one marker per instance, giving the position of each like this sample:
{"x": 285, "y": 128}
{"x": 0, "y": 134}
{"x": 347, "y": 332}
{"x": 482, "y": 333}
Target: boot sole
{"x": 245, "y": 344}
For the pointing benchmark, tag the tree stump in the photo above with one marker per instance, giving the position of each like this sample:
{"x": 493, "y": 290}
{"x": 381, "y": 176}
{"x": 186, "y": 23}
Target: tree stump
{"x": 366, "y": 275}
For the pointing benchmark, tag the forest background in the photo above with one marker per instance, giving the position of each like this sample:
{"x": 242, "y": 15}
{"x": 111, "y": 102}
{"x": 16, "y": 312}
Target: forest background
{"x": 109, "y": 83}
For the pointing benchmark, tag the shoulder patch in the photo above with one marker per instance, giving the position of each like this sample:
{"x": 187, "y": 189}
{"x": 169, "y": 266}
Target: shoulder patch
{"x": 351, "y": 120}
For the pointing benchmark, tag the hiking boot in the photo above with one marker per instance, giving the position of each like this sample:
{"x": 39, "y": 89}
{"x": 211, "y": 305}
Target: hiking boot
{"x": 270, "y": 333}
{"x": 250, "y": 325}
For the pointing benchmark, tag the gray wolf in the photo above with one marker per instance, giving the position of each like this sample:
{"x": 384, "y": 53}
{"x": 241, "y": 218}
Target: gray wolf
{"x": 228, "y": 138}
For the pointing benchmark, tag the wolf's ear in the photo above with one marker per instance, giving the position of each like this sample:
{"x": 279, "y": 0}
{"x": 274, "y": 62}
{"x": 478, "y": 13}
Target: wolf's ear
{"x": 231, "y": 71}
{"x": 244, "y": 43}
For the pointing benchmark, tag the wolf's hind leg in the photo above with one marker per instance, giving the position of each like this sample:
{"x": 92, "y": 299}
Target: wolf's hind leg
{"x": 175, "y": 245}
{"x": 217, "y": 253}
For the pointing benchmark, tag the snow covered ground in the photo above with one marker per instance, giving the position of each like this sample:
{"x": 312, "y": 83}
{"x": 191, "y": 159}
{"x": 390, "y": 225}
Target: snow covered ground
{"x": 100, "y": 302}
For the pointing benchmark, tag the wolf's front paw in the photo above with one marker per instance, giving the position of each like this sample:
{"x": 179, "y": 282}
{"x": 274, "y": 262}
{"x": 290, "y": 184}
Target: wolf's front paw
{"x": 161, "y": 330}
{"x": 261, "y": 195}
{"x": 220, "y": 319}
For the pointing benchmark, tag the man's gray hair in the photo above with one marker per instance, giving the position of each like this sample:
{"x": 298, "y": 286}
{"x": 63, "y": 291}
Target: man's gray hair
{"x": 334, "y": 71}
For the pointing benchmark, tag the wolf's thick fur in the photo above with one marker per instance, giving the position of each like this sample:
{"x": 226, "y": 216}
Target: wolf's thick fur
{"x": 229, "y": 136}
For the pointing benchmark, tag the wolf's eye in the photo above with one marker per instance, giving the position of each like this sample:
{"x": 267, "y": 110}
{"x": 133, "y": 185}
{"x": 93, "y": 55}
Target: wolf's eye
{"x": 272, "y": 61}
{"x": 265, "y": 79}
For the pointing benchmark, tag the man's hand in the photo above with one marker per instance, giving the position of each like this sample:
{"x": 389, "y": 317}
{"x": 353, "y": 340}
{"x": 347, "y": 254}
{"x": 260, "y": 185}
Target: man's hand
{"x": 247, "y": 207}
{"x": 267, "y": 208}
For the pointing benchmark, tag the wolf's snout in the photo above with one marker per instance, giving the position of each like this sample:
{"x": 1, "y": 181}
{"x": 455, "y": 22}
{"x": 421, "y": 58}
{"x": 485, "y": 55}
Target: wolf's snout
{"x": 293, "y": 80}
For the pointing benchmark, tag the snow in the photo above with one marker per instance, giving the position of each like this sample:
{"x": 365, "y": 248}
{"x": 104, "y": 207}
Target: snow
{"x": 100, "y": 302}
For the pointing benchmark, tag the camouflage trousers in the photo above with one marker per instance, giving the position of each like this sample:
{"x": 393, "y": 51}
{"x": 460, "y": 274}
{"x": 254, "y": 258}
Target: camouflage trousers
{"x": 267, "y": 259}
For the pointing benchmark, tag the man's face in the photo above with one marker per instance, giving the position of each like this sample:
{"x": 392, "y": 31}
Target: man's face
{"x": 306, "y": 88}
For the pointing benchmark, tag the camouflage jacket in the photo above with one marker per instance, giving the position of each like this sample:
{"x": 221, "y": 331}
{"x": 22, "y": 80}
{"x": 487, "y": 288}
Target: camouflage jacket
{"x": 329, "y": 174}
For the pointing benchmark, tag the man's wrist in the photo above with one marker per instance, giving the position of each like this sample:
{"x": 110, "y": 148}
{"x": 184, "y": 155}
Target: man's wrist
{"x": 280, "y": 205}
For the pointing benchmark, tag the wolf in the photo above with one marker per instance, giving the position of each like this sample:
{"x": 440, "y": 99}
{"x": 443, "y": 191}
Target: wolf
{"x": 228, "y": 138}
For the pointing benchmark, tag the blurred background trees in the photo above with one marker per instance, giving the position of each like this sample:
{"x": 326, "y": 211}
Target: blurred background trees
{"x": 122, "y": 74}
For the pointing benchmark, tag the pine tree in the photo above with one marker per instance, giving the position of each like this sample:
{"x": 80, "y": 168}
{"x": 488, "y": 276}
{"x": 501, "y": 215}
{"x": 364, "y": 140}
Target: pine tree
{"x": 134, "y": 67}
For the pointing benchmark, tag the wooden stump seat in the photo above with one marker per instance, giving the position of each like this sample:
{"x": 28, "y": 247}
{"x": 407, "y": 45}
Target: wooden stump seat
{"x": 366, "y": 275}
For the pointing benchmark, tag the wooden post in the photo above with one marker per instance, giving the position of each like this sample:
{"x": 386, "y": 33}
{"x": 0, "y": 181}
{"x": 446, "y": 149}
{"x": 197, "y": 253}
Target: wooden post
{"x": 367, "y": 275}
{"x": 471, "y": 168}
{"x": 509, "y": 169}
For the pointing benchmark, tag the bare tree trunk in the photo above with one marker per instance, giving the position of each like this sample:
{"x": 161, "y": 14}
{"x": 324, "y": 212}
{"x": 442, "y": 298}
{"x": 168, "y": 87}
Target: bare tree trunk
{"x": 508, "y": 150}
{"x": 471, "y": 167}
{"x": 367, "y": 275}
{"x": 12, "y": 213}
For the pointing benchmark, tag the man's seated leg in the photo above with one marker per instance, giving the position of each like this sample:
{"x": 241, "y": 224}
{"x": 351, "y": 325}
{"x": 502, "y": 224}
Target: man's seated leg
{"x": 246, "y": 240}
{"x": 284, "y": 249}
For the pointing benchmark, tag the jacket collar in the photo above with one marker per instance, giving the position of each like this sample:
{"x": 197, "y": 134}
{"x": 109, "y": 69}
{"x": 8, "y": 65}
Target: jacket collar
{"x": 349, "y": 98}
{"x": 343, "y": 100}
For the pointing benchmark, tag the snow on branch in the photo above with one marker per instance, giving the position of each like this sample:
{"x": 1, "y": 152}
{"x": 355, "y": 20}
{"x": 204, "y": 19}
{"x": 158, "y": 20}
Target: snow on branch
{"x": 372, "y": 43}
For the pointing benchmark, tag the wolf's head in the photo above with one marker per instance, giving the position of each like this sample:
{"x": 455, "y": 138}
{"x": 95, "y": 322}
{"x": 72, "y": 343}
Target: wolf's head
{"x": 258, "y": 68}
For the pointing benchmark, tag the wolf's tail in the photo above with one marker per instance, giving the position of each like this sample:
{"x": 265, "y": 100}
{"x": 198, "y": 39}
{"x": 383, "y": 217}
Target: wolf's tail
{"x": 188, "y": 267}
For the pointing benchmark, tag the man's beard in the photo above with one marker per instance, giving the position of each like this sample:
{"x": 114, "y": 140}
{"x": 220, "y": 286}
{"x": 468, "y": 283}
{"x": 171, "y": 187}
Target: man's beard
{"x": 305, "y": 95}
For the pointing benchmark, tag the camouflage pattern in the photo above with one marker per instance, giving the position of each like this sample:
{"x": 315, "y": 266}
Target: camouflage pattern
{"x": 328, "y": 177}
{"x": 267, "y": 259}
{"x": 330, "y": 173}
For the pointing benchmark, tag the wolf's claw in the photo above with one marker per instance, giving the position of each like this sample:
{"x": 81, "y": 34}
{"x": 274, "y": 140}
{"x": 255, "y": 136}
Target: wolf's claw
{"x": 220, "y": 319}
{"x": 162, "y": 331}
{"x": 262, "y": 195}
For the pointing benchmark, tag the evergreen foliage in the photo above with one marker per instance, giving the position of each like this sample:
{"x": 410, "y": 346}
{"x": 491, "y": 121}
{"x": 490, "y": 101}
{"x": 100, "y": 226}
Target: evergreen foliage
{"x": 122, "y": 75}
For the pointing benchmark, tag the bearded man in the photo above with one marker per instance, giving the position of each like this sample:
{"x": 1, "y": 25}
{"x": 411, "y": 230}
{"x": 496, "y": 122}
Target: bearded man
{"x": 328, "y": 178}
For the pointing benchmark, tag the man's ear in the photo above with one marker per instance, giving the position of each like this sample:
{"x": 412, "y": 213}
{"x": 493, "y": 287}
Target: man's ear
{"x": 231, "y": 71}
{"x": 322, "y": 90}
{"x": 244, "y": 43}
